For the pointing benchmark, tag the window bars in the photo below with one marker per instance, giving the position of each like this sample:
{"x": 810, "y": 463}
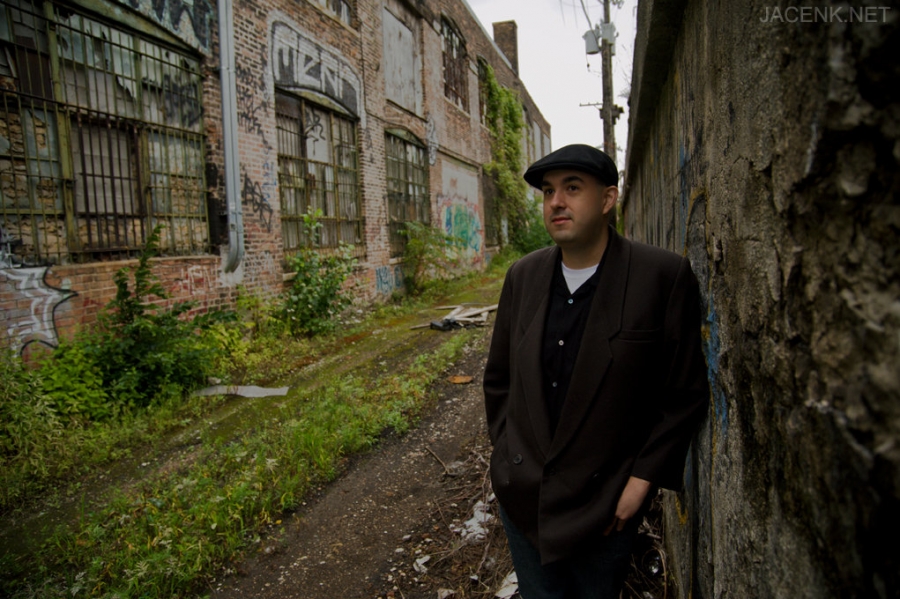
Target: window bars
{"x": 101, "y": 139}
{"x": 407, "y": 184}
{"x": 455, "y": 65}
{"x": 318, "y": 171}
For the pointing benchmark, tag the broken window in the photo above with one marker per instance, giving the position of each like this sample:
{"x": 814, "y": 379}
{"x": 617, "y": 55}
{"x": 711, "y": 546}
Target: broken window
{"x": 483, "y": 89}
{"x": 407, "y": 185}
{"x": 101, "y": 139}
{"x": 317, "y": 170}
{"x": 455, "y": 65}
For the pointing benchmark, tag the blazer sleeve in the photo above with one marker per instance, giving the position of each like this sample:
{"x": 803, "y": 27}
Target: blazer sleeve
{"x": 497, "y": 370}
{"x": 684, "y": 399}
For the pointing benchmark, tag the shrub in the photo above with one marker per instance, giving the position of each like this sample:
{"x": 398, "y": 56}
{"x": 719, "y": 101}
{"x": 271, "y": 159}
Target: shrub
{"x": 317, "y": 293}
{"x": 531, "y": 234}
{"x": 429, "y": 255}
{"x": 144, "y": 350}
{"x": 73, "y": 383}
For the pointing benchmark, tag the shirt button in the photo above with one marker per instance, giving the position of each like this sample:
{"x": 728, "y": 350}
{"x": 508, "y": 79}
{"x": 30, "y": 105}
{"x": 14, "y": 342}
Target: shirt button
{"x": 571, "y": 301}
{"x": 517, "y": 459}
{"x": 561, "y": 342}
{"x": 554, "y": 384}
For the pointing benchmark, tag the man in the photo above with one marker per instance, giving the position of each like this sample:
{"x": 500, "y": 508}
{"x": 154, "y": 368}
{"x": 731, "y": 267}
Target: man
{"x": 594, "y": 385}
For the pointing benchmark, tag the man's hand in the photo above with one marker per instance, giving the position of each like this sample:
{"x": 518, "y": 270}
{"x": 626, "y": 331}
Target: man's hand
{"x": 630, "y": 502}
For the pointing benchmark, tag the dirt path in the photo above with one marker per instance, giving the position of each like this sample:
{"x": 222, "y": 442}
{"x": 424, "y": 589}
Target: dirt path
{"x": 361, "y": 536}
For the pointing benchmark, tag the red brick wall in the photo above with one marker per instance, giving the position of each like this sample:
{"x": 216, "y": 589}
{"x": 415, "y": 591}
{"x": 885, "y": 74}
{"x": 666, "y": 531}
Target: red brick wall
{"x": 33, "y": 308}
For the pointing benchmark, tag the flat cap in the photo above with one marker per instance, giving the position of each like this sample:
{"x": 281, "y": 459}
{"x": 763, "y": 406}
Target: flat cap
{"x": 579, "y": 157}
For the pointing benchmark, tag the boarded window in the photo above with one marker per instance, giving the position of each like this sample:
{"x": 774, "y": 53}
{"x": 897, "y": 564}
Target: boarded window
{"x": 455, "y": 65}
{"x": 89, "y": 166}
{"x": 317, "y": 170}
{"x": 402, "y": 66}
{"x": 407, "y": 184}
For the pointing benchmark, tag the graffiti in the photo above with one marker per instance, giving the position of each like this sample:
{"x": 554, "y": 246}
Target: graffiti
{"x": 458, "y": 208}
{"x": 431, "y": 138}
{"x": 182, "y": 100}
{"x": 188, "y": 19}
{"x": 252, "y": 193}
{"x": 261, "y": 268}
{"x": 196, "y": 279}
{"x": 387, "y": 280}
{"x": 460, "y": 220}
{"x": 248, "y": 108}
{"x": 300, "y": 63}
{"x": 34, "y": 323}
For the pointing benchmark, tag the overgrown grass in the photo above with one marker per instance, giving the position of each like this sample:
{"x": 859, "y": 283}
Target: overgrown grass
{"x": 167, "y": 536}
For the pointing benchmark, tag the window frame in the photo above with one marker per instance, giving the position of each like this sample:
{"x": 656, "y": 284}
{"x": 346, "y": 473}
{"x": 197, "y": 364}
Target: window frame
{"x": 455, "y": 64}
{"x": 405, "y": 177}
{"x": 340, "y": 200}
{"x": 121, "y": 110}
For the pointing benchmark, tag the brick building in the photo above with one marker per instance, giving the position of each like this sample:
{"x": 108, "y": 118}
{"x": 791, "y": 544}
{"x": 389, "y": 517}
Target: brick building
{"x": 226, "y": 126}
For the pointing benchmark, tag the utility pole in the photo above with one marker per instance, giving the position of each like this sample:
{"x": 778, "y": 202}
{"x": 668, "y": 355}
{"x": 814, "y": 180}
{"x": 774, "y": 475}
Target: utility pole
{"x": 601, "y": 40}
{"x": 608, "y": 112}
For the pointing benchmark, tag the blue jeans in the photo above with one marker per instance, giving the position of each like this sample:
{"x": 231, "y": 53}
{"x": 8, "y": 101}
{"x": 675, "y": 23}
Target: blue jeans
{"x": 596, "y": 571}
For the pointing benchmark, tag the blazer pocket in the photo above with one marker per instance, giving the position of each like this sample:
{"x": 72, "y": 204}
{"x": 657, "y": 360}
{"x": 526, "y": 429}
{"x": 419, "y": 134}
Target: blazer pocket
{"x": 639, "y": 335}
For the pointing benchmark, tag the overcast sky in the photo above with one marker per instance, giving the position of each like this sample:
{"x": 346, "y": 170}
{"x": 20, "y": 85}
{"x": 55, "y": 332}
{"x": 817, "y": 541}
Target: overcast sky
{"x": 554, "y": 67}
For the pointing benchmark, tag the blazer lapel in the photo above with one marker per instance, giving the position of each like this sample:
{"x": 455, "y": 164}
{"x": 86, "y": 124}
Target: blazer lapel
{"x": 529, "y": 348}
{"x": 594, "y": 355}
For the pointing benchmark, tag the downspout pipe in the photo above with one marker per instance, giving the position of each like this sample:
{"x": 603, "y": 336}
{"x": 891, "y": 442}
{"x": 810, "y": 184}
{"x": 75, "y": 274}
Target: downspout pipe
{"x": 230, "y": 138}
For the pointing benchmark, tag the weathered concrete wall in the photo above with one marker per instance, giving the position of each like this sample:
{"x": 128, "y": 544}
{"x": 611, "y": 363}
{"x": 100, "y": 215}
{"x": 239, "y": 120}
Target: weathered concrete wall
{"x": 764, "y": 144}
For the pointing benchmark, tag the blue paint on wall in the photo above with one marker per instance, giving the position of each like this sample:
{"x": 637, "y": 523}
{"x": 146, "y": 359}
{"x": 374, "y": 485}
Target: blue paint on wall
{"x": 713, "y": 355}
{"x": 388, "y": 280}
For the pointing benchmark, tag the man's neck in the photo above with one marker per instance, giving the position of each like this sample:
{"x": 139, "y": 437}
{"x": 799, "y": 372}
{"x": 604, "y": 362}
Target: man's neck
{"x": 585, "y": 256}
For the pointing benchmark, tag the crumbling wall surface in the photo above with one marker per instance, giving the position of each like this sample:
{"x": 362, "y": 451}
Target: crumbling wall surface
{"x": 765, "y": 146}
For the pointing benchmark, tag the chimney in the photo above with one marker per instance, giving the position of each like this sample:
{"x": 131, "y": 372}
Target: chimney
{"x": 507, "y": 39}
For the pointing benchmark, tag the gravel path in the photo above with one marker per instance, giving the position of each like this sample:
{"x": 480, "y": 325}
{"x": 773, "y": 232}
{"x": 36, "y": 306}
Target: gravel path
{"x": 354, "y": 538}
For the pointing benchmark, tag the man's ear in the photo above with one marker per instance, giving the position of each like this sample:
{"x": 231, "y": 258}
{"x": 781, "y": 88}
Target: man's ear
{"x": 610, "y": 197}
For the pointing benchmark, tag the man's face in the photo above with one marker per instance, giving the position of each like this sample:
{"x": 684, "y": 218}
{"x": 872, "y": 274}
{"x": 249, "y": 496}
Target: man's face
{"x": 576, "y": 205}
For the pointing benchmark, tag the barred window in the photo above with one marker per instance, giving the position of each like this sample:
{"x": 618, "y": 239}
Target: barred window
{"x": 101, "y": 139}
{"x": 317, "y": 170}
{"x": 483, "y": 89}
{"x": 407, "y": 184}
{"x": 455, "y": 65}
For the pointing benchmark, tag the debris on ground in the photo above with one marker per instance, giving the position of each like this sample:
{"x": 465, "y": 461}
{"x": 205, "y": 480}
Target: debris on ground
{"x": 242, "y": 391}
{"x": 461, "y": 551}
{"x": 460, "y": 317}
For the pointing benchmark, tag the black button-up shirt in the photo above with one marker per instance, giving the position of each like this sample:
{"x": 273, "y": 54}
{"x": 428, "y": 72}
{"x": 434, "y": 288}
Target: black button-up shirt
{"x": 563, "y": 329}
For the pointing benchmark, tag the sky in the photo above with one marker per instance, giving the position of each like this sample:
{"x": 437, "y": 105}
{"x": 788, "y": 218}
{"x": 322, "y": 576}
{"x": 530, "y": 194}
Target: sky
{"x": 558, "y": 73}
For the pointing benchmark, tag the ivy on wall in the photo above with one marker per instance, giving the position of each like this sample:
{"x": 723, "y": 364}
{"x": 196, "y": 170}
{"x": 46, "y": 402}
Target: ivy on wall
{"x": 503, "y": 116}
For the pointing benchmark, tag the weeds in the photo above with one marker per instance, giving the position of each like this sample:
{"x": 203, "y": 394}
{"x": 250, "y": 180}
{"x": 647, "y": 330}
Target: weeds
{"x": 168, "y": 535}
{"x": 317, "y": 293}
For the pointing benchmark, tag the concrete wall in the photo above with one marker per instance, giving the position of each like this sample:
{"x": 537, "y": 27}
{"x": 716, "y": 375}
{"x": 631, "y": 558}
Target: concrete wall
{"x": 382, "y": 64}
{"x": 764, "y": 145}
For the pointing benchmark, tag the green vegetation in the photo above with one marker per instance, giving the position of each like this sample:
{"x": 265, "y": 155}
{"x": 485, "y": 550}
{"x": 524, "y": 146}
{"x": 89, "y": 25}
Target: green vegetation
{"x": 514, "y": 201}
{"x": 429, "y": 256}
{"x": 168, "y": 533}
{"x": 317, "y": 294}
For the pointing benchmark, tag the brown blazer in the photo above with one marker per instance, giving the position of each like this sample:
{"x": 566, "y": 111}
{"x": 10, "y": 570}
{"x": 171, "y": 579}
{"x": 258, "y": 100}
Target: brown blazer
{"x": 638, "y": 391}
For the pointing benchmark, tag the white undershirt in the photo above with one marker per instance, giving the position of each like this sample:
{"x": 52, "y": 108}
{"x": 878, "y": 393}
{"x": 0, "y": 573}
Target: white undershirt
{"x": 575, "y": 277}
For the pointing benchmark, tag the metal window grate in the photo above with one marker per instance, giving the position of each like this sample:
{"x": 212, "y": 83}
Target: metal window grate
{"x": 455, "y": 65}
{"x": 101, "y": 139}
{"x": 407, "y": 184}
{"x": 318, "y": 170}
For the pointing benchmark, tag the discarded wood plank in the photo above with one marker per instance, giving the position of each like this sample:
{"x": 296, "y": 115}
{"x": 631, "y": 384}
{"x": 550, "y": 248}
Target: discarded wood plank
{"x": 459, "y": 317}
